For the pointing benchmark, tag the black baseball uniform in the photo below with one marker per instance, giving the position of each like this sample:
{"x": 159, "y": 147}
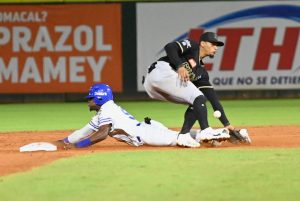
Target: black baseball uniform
{"x": 163, "y": 83}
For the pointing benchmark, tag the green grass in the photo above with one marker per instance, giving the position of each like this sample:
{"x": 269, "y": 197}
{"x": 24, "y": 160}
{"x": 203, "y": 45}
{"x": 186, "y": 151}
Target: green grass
{"x": 64, "y": 116}
{"x": 43, "y": 116}
{"x": 239, "y": 112}
{"x": 210, "y": 175}
{"x": 185, "y": 174}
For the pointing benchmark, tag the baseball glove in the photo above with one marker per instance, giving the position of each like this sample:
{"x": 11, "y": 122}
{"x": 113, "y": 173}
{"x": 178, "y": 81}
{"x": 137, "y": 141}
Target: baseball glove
{"x": 237, "y": 137}
{"x": 189, "y": 69}
{"x": 147, "y": 120}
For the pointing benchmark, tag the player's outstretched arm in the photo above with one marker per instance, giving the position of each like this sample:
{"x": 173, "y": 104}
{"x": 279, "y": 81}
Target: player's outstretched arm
{"x": 94, "y": 138}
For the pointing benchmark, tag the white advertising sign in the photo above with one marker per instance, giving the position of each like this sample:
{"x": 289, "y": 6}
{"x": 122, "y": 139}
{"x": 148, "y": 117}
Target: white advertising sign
{"x": 262, "y": 46}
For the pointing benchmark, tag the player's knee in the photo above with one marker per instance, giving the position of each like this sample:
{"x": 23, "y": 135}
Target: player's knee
{"x": 200, "y": 100}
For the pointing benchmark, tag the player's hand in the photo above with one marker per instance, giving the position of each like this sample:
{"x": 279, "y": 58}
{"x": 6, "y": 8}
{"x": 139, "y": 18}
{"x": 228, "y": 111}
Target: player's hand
{"x": 183, "y": 74}
{"x": 61, "y": 145}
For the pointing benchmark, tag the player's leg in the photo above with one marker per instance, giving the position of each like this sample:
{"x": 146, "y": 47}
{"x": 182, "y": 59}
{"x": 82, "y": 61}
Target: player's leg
{"x": 189, "y": 120}
{"x": 190, "y": 117}
{"x": 207, "y": 89}
{"x": 163, "y": 83}
{"x": 200, "y": 111}
{"x": 160, "y": 136}
{"x": 173, "y": 90}
{"x": 206, "y": 133}
{"x": 211, "y": 96}
{"x": 148, "y": 84}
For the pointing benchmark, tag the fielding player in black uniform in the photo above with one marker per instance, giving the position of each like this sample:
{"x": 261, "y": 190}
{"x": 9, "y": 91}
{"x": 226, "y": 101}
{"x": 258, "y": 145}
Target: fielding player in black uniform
{"x": 171, "y": 77}
{"x": 204, "y": 85}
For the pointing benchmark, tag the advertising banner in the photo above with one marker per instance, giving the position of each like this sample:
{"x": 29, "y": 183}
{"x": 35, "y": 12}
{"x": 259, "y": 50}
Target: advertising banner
{"x": 262, "y": 46}
{"x": 59, "y": 48}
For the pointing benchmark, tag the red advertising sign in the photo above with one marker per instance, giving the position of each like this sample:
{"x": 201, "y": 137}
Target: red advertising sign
{"x": 60, "y": 48}
{"x": 261, "y": 40}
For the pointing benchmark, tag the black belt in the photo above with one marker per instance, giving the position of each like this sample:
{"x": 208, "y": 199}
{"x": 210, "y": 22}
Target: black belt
{"x": 152, "y": 67}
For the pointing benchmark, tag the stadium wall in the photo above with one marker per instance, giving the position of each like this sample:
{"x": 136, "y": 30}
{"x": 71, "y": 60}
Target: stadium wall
{"x": 119, "y": 58}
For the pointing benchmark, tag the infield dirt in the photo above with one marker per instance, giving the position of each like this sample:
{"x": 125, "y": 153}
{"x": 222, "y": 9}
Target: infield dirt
{"x": 12, "y": 161}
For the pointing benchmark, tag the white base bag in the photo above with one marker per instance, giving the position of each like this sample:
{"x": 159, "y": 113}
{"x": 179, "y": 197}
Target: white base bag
{"x": 38, "y": 146}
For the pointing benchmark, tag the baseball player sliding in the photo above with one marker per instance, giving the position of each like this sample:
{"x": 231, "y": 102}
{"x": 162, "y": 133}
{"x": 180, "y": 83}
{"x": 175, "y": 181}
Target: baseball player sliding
{"x": 112, "y": 120}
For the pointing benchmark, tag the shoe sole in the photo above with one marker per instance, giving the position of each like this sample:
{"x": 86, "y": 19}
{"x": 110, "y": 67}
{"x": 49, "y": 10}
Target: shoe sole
{"x": 210, "y": 140}
{"x": 188, "y": 146}
{"x": 216, "y": 137}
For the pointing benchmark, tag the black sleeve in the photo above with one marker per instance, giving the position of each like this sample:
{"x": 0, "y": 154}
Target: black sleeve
{"x": 175, "y": 51}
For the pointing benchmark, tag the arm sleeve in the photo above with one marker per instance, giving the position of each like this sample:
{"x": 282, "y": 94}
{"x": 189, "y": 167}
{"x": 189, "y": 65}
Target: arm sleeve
{"x": 93, "y": 126}
{"x": 173, "y": 52}
{"x": 80, "y": 134}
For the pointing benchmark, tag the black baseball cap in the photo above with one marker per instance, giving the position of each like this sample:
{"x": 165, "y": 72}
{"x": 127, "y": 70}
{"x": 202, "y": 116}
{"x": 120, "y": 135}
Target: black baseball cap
{"x": 211, "y": 37}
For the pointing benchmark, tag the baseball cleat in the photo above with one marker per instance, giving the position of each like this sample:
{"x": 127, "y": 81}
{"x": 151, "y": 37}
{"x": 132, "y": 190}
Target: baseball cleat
{"x": 244, "y": 133}
{"x": 208, "y": 134}
{"x": 185, "y": 140}
{"x": 239, "y": 136}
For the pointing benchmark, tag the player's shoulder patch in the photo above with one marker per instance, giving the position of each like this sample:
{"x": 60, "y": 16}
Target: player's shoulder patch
{"x": 184, "y": 44}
